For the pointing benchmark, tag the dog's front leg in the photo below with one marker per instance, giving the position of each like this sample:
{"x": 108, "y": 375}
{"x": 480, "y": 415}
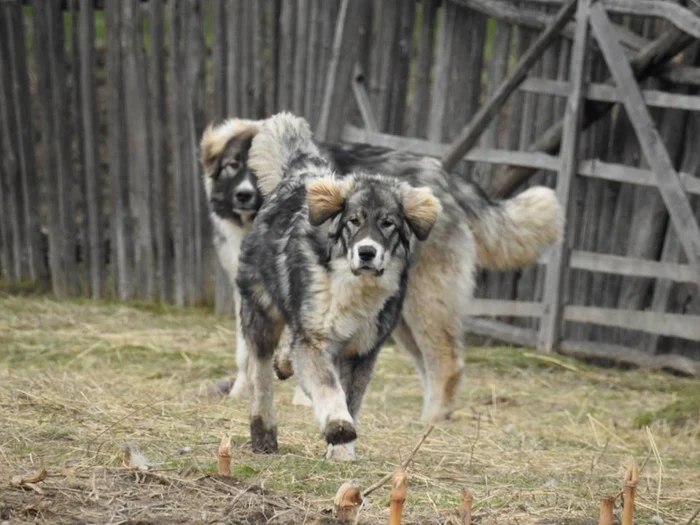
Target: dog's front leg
{"x": 261, "y": 330}
{"x": 355, "y": 373}
{"x": 241, "y": 386}
{"x": 317, "y": 375}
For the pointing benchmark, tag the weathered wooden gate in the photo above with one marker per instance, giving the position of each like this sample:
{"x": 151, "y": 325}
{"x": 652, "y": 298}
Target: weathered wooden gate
{"x": 593, "y": 28}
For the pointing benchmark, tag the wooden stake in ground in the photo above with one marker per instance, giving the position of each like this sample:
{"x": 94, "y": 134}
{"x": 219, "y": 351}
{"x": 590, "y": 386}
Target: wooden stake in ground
{"x": 225, "y": 456}
{"x": 606, "y": 511}
{"x": 465, "y": 508}
{"x": 398, "y": 496}
{"x": 347, "y": 501}
{"x": 631, "y": 480}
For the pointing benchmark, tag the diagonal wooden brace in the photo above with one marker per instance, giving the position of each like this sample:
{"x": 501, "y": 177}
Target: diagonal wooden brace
{"x": 650, "y": 141}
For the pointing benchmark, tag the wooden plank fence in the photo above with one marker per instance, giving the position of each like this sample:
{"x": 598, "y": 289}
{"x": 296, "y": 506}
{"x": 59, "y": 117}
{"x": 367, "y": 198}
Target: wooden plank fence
{"x": 101, "y": 109}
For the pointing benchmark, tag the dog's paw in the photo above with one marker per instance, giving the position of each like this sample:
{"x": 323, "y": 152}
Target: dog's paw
{"x": 344, "y": 452}
{"x": 338, "y": 432}
{"x": 283, "y": 367}
{"x": 263, "y": 440}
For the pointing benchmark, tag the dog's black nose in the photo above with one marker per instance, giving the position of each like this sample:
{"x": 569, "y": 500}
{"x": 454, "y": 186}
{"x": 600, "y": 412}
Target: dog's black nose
{"x": 366, "y": 253}
{"x": 243, "y": 197}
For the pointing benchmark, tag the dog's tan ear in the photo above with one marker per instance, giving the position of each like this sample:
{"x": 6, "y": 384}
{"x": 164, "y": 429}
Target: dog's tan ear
{"x": 215, "y": 139}
{"x": 421, "y": 209}
{"x": 326, "y": 199}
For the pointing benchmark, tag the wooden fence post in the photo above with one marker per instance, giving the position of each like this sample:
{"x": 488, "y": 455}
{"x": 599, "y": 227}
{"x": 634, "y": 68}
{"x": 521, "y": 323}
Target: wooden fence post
{"x": 178, "y": 142}
{"x": 36, "y": 267}
{"x": 339, "y": 76}
{"x": 91, "y": 164}
{"x": 161, "y": 177}
{"x": 49, "y": 48}
{"x": 138, "y": 146}
{"x": 551, "y": 323}
{"x": 12, "y": 222}
{"x": 122, "y": 252}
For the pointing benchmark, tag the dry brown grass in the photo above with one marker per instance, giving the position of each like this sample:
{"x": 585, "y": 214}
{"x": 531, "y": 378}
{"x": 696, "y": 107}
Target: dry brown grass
{"x": 537, "y": 441}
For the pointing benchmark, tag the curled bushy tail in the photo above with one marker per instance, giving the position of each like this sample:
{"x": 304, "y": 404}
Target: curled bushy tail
{"x": 281, "y": 139}
{"x": 513, "y": 232}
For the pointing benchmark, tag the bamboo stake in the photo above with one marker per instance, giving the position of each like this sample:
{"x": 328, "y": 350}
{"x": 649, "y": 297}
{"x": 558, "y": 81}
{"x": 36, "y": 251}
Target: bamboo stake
{"x": 348, "y": 500}
{"x": 465, "y": 508}
{"x": 398, "y": 496}
{"x": 606, "y": 511}
{"x": 225, "y": 456}
{"x": 631, "y": 480}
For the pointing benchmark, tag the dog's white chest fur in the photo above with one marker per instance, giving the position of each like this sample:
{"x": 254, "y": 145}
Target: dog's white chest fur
{"x": 228, "y": 245}
{"x": 346, "y": 306}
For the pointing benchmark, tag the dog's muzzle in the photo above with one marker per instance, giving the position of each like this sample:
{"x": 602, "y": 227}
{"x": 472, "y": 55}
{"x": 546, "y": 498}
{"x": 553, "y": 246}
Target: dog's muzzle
{"x": 367, "y": 256}
{"x": 244, "y": 199}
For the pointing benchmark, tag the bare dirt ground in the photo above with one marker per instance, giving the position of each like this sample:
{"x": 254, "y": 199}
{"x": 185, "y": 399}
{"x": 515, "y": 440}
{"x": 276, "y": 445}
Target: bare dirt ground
{"x": 539, "y": 439}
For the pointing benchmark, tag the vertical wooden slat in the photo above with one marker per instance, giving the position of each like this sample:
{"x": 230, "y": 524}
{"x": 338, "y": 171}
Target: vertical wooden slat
{"x": 384, "y": 60}
{"x": 472, "y": 51}
{"x": 287, "y": 55}
{"x": 440, "y": 83}
{"x": 340, "y": 70}
{"x": 5, "y": 243}
{"x": 272, "y": 44}
{"x": 244, "y": 45}
{"x": 552, "y": 320}
{"x": 329, "y": 16}
{"x": 62, "y": 138}
{"x": 122, "y": 247}
{"x": 179, "y": 141}
{"x": 219, "y": 46}
{"x": 496, "y": 69}
{"x": 9, "y": 149}
{"x": 233, "y": 66}
{"x": 196, "y": 119}
{"x": 400, "y": 80}
{"x": 259, "y": 58}
{"x": 6, "y": 261}
{"x": 223, "y": 293}
{"x": 313, "y": 43}
{"x": 91, "y": 164}
{"x": 77, "y": 160}
{"x": 496, "y": 72}
{"x": 159, "y": 170}
{"x": 420, "y": 103}
{"x": 138, "y": 146}
{"x": 302, "y": 31}
{"x": 49, "y": 47}
{"x": 36, "y": 266}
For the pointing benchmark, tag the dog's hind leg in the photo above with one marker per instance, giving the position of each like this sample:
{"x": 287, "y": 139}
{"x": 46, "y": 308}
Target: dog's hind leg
{"x": 440, "y": 285}
{"x": 403, "y": 337}
{"x": 317, "y": 375}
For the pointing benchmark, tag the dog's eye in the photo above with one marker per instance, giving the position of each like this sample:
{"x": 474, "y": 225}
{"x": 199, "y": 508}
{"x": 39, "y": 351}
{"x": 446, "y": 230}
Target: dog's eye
{"x": 354, "y": 221}
{"x": 386, "y": 224}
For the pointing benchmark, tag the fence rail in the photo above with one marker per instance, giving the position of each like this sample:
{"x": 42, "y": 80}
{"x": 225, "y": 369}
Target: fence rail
{"x": 102, "y": 106}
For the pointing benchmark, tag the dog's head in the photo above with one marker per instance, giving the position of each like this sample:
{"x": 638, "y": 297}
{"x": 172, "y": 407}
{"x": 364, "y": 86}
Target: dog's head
{"x": 231, "y": 187}
{"x": 374, "y": 218}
